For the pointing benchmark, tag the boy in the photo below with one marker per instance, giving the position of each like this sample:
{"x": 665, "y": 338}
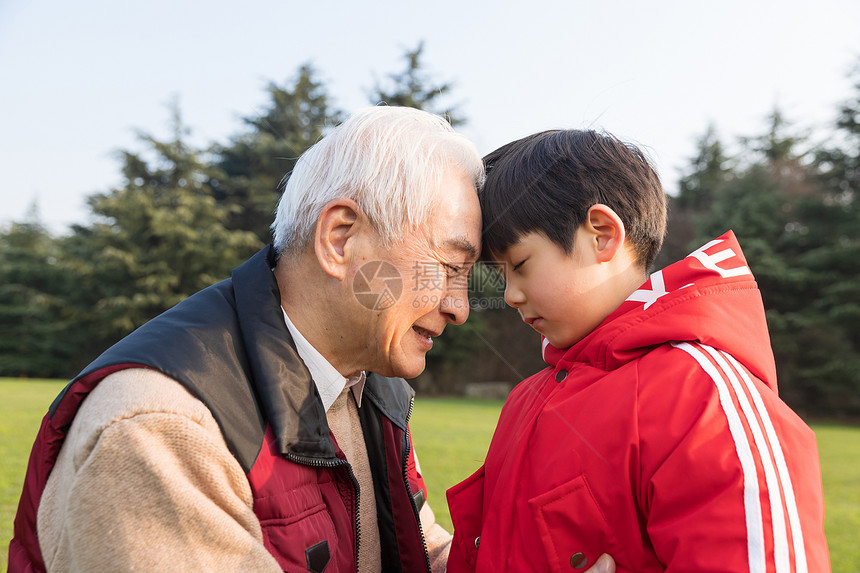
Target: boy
{"x": 655, "y": 434}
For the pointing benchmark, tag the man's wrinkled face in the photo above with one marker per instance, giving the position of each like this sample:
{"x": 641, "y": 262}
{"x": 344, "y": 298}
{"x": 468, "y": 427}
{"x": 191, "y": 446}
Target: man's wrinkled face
{"x": 419, "y": 285}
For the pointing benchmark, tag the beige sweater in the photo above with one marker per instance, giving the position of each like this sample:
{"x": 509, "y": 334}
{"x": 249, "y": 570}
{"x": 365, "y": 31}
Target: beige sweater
{"x": 145, "y": 482}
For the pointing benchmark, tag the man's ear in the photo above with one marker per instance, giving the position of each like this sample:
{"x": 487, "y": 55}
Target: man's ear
{"x": 336, "y": 230}
{"x": 606, "y": 230}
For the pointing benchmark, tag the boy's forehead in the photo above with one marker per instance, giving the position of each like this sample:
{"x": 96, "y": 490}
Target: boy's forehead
{"x": 522, "y": 245}
{"x": 501, "y": 256}
{"x": 521, "y": 241}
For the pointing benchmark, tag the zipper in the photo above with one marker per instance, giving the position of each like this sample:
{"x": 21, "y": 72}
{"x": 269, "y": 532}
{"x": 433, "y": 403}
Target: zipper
{"x": 335, "y": 463}
{"x": 409, "y": 489}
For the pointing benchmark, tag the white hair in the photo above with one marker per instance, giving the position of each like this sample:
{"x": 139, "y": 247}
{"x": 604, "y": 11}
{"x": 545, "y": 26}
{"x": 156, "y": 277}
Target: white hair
{"x": 389, "y": 160}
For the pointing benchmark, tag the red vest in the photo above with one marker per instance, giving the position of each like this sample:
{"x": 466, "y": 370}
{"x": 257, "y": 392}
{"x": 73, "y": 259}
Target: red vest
{"x": 229, "y": 347}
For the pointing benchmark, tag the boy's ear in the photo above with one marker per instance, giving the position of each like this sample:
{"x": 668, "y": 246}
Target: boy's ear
{"x": 606, "y": 230}
{"x": 338, "y": 227}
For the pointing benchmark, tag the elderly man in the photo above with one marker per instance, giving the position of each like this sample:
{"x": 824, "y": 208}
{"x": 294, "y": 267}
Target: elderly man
{"x": 262, "y": 424}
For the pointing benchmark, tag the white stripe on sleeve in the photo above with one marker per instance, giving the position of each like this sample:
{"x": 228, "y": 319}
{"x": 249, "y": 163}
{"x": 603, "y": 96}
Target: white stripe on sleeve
{"x": 752, "y": 504}
{"x": 782, "y": 467}
{"x": 777, "y": 514}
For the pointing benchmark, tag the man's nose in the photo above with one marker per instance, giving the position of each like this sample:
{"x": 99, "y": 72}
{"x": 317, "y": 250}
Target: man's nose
{"x": 455, "y": 304}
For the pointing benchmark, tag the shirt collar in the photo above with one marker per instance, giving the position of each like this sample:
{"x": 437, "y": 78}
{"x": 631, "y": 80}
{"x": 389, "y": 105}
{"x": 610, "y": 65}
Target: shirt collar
{"x": 329, "y": 382}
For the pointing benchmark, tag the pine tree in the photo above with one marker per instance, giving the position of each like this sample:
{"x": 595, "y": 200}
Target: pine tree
{"x": 829, "y": 227}
{"x": 701, "y": 183}
{"x": 709, "y": 172}
{"x": 33, "y": 313}
{"x": 794, "y": 219}
{"x": 157, "y": 239}
{"x": 414, "y": 87}
{"x": 252, "y": 167}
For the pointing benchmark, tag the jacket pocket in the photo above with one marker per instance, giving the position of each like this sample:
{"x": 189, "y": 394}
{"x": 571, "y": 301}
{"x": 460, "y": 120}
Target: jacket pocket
{"x": 299, "y": 535}
{"x": 466, "y": 503}
{"x": 573, "y": 529}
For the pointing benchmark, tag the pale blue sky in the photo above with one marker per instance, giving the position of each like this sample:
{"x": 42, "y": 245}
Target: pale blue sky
{"x": 77, "y": 79}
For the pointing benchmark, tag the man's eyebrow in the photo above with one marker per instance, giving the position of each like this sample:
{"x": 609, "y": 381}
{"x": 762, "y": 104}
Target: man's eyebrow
{"x": 464, "y": 245}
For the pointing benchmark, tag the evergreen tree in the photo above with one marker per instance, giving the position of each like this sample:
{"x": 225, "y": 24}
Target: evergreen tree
{"x": 701, "y": 183}
{"x": 253, "y": 165}
{"x": 710, "y": 170}
{"x": 794, "y": 221}
{"x": 33, "y": 313}
{"x": 839, "y": 165}
{"x": 159, "y": 238}
{"x": 415, "y": 87}
{"x": 829, "y": 228}
{"x": 760, "y": 204}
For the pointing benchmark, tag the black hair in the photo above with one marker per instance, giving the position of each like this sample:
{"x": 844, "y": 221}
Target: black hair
{"x": 546, "y": 183}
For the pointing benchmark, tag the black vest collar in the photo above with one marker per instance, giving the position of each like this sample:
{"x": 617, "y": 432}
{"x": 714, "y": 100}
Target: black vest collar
{"x": 287, "y": 393}
{"x": 229, "y": 346}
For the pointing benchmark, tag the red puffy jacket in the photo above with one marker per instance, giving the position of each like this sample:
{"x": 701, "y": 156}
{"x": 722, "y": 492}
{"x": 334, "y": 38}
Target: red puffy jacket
{"x": 229, "y": 346}
{"x": 659, "y": 439}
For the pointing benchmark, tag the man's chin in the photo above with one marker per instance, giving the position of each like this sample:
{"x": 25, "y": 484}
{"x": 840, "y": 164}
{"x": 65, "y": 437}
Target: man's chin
{"x": 408, "y": 368}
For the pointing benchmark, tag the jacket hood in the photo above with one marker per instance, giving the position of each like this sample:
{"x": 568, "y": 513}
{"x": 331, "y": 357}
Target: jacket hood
{"x": 710, "y": 296}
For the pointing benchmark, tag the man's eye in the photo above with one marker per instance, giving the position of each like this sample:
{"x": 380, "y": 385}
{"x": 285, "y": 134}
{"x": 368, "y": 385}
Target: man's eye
{"x": 452, "y": 270}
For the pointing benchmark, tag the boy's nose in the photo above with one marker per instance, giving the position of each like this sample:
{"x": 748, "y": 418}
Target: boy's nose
{"x": 513, "y": 296}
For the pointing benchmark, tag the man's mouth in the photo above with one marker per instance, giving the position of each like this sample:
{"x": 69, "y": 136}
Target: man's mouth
{"x": 424, "y": 333}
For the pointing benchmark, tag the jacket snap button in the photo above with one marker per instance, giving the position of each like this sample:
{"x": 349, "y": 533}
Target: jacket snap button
{"x": 477, "y": 541}
{"x": 560, "y": 375}
{"x": 578, "y": 560}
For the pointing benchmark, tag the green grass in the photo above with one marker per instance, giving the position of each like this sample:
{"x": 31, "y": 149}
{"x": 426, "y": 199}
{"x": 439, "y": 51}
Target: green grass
{"x": 23, "y": 404}
{"x": 452, "y": 436}
{"x": 839, "y": 451}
